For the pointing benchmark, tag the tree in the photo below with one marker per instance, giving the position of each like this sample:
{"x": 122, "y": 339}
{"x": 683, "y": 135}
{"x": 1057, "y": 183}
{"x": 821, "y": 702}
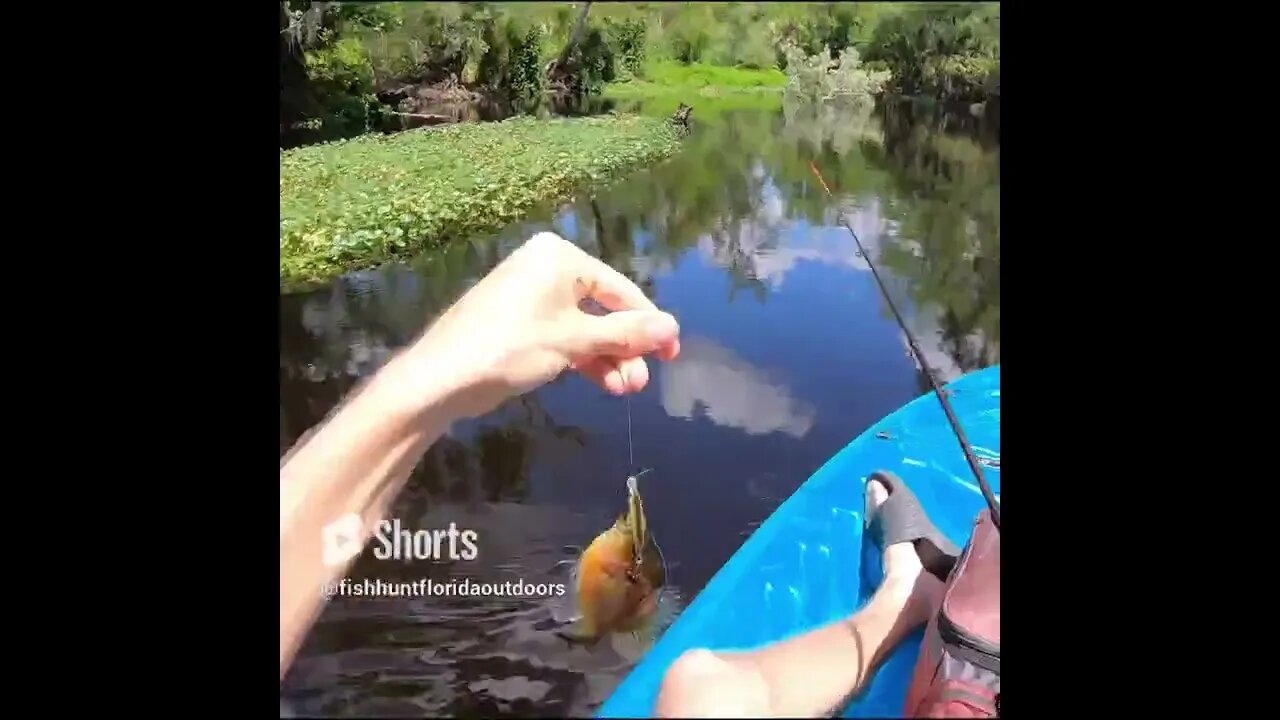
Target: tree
{"x": 559, "y": 70}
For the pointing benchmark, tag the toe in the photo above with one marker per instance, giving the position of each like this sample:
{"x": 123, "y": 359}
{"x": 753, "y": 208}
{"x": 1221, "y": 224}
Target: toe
{"x": 877, "y": 493}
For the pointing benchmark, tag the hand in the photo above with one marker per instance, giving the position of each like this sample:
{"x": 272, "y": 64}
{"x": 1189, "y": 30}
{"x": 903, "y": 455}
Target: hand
{"x": 522, "y": 325}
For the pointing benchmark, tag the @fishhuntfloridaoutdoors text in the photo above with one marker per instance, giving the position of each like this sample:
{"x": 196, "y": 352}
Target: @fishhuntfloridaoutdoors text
{"x": 454, "y": 587}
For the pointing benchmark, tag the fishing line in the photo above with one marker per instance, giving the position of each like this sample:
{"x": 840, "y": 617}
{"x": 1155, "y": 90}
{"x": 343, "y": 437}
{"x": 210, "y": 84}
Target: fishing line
{"x": 631, "y": 448}
{"x": 928, "y": 371}
{"x": 590, "y": 304}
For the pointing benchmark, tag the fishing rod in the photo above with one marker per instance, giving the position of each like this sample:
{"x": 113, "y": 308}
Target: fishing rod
{"x": 928, "y": 371}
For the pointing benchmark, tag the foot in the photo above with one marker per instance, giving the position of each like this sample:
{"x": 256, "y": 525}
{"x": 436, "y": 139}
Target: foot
{"x": 900, "y": 518}
{"x": 920, "y": 592}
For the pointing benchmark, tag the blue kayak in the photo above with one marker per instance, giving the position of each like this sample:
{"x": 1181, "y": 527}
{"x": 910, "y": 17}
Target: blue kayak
{"x": 807, "y": 564}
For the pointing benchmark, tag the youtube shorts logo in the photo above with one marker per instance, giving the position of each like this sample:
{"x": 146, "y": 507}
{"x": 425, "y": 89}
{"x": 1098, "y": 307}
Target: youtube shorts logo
{"x": 341, "y": 540}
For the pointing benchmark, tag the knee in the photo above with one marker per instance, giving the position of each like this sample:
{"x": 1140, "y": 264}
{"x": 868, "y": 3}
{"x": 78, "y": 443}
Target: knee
{"x": 701, "y": 684}
{"x": 695, "y": 665}
{"x": 690, "y": 684}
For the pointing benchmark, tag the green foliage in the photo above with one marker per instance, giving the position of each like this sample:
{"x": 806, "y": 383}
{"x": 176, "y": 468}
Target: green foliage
{"x": 813, "y": 79}
{"x": 426, "y": 41}
{"x": 688, "y": 35}
{"x": 595, "y": 62}
{"x": 501, "y": 47}
{"x": 820, "y": 27}
{"x": 355, "y": 203}
{"x": 627, "y": 40}
{"x": 511, "y": 59}
{"x": 949, "y": 50}
{"x": 668, "y": 78}
{"x": 526, "y": 80}
{"x": 755, "y": 49}
{"x": 701, "y": 75}
{"x": 944, "y": 50}
{"x": 726, "y": 34}
{"x": 326, "y": 79}
{"x": 342, "y": 82}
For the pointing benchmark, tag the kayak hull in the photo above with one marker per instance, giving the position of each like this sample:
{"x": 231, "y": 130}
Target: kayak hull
{"x": 807, "y": 564}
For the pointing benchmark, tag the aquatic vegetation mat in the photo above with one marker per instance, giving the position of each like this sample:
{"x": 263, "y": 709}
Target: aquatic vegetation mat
{"x": 361, "y": 202}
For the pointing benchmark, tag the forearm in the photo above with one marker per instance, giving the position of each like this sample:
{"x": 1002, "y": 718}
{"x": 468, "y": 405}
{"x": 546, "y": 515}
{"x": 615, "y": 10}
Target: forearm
{"x": 357, "y": 463}
{"x": 517, "y": 329}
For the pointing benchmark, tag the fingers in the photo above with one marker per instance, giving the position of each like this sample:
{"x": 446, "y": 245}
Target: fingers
{"x": 624, "y": 334}
{"x": 596, "y": 280}
{"x": 609, "y": 287}
{"x": 668, "y": 351}
{"x": 617, "y": 300}
{"x": 616, "y": 377}
{"x": 633, "y": 328}
{"x": 590, "y": 276}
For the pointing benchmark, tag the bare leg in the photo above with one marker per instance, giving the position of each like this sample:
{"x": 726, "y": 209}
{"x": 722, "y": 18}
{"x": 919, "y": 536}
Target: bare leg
{"x": 811, "y": 674}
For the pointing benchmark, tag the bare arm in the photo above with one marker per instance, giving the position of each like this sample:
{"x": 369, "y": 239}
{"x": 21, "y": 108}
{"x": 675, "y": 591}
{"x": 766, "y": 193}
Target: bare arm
{"x": 518, "y": 328}
{"x": 356, "y": 463}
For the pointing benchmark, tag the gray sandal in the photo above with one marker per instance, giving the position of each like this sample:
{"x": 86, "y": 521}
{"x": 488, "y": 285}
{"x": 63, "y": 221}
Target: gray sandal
{"x": 901, "y": 519}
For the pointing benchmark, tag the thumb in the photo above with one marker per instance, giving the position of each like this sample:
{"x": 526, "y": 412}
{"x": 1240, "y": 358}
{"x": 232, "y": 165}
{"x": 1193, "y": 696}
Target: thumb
{"x": 625, "y": 333}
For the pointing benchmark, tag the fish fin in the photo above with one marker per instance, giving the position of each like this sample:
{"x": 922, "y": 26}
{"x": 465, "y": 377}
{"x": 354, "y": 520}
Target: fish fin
{"x": 630, "y": 646}
{"x": 577, "y": 633}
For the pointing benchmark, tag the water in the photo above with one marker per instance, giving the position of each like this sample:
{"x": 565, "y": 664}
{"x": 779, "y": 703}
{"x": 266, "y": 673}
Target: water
{"x": 789, "y": 351}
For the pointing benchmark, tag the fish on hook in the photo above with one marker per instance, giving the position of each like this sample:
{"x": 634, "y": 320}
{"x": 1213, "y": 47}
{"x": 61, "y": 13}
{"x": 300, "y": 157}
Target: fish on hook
{"x": 619, "y": 576}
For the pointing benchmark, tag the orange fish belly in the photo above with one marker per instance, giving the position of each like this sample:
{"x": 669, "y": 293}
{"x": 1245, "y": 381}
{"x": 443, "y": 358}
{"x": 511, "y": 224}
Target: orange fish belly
{"x": 606, "y": 598}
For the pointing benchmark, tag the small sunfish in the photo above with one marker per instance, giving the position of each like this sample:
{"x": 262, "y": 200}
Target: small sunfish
{"x": 619, "y": 576}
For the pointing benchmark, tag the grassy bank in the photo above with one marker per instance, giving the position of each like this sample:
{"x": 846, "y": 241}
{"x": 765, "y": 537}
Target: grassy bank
{"x": 360, "y": 202}
{"x": 664, "y": 78}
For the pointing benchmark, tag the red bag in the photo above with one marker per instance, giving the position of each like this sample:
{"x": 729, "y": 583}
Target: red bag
{"x": 957, "y": 674}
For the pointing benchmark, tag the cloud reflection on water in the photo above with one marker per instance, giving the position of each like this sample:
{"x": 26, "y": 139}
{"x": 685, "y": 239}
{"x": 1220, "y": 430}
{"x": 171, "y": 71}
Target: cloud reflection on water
{"x": 731, "y": 391}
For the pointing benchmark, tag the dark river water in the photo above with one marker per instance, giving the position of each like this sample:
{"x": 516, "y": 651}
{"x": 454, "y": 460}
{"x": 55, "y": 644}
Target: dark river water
{"x": 789, "y": 351}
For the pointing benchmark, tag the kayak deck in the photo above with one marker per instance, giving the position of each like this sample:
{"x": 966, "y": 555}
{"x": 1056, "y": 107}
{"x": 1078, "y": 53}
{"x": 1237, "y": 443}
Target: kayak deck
{"x": 807, "y": 564}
